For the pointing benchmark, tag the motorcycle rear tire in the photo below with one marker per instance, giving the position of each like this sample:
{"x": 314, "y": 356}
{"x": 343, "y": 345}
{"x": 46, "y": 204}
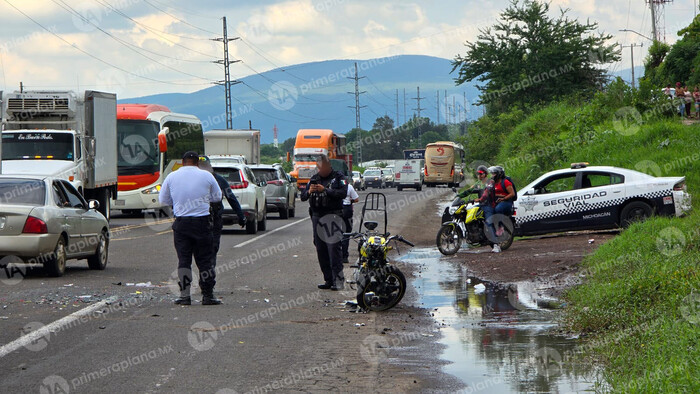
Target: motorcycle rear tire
{"x": 445, "y": 233}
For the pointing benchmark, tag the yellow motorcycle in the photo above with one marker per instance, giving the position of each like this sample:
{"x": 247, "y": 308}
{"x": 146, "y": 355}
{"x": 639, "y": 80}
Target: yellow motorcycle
{"x": 380, "y": 285}
{"x": 465, "y": 221}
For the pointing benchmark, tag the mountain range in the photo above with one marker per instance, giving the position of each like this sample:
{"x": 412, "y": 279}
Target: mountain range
{"x": 322, "y": 95}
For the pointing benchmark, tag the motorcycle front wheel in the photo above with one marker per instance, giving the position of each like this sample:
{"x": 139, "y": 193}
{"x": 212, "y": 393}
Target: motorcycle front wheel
{"x": 449, "y": 239}
{"x": 380, "y": 295}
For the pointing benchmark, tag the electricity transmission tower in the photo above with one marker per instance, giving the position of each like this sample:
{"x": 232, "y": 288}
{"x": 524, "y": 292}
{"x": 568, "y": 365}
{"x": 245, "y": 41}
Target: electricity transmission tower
{"x": 227, "y": 75}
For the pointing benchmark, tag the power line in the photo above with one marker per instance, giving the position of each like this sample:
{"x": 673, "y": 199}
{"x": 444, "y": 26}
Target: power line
{"x": 185, "y": 22}
{"x": 156, "y": 31}
{"x": 84, "y": 51}
{"x": 128, "y": 45}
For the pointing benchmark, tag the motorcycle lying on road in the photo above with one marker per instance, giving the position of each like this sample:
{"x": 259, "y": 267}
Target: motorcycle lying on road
{"x": 380, "y": 284}
{"x": 465, "y": 221}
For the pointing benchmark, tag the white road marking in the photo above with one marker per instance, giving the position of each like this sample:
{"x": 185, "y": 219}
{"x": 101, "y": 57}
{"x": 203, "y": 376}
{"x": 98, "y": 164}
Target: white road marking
{"x": 268, "y": 233}
{"x": 48, "y": 329}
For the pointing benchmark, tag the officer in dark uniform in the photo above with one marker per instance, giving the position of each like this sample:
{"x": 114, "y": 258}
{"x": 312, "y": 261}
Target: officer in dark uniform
{"x": 217, "y": 207}
{"x": 325, "y": 193}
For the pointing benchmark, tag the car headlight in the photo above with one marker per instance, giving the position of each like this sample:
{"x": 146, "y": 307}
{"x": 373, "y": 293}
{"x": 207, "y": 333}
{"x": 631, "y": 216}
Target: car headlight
{"x": 154, "y": 190}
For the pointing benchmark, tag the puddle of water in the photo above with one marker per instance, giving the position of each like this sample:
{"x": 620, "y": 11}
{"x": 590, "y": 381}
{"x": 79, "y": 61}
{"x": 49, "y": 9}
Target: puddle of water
{"x": 498, "y": 339}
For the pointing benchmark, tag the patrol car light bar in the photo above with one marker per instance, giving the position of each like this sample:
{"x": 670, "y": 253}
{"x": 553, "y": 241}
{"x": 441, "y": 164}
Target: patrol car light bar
{"x": 579, "y": 165}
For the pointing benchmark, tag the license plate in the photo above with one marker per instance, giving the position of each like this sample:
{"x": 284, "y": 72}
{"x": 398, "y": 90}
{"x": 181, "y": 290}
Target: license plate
{"x": 668, "y": 200}
{"x": 119, "y": 202}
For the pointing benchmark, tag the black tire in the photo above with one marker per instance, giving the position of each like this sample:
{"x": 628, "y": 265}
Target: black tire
{"x": 55, "y": 265}
{"x": 292, "y": 211}
{"x": 399, "y": 188}
{"x": 251, "y": 226}
{"x": 635, "y": 211}
{"x": 98, "y": 261}
{"x": 262, "y": 225}
{"x": 419, "y": 188}
{"x": 509, "y": 231}
{"x": 284, "y": 212}
{"x": 393, "y": 276}
{"x": 446, "y": 241}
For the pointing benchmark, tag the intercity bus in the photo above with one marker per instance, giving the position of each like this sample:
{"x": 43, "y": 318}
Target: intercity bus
{"x": 151, "y": 141}
{"x": 444, "y": 164}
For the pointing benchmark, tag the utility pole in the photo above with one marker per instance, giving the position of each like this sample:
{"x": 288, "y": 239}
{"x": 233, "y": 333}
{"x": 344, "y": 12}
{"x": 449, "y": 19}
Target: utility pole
{"x": 397, "y": 108}
{"x": 405, "y": 119}
{"x": 275, "y": 141}
{"x": 631, "y": 47}
{"x": 447, "y": 114}
{"x": 454, "y": 108}
{"x": 227, "y": 75}
{"x": 658, "y": 31}
{"x": 464, "y": 103}
{"x": 357, "y": 94}
{"x": 437, "y": 105}
{"x": 418, "y": 98}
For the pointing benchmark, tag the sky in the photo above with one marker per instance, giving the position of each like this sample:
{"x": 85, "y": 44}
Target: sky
{"x": 143, "y": 47}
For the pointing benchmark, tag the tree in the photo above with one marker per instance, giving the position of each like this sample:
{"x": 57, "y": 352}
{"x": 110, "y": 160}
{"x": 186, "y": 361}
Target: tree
{"x": 657, "y": 53}
{"x": 530, "y": 58}
{"x": 383, "y": 123}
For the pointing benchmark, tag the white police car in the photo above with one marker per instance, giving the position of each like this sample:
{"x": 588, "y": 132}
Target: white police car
{"x": 584, "y": 198}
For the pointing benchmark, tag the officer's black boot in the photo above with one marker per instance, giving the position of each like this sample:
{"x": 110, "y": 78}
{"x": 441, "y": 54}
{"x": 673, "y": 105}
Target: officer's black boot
{"x": 209, "y": 299}
{"x": 183, "y": 301}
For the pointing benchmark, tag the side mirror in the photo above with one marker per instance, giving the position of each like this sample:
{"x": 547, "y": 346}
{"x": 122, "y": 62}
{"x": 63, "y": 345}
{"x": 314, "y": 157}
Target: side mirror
{"x": 163, "y": 140}
{"x": 528, "y": 193}
{"x": 94, "y": 204}
{"x": 292, "y": 179}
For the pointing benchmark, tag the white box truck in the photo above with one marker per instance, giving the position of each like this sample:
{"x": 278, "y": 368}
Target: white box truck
{"x": 409, "y": 173}
{"x": 228, "y": 144}
{"x": 65, "y": 135}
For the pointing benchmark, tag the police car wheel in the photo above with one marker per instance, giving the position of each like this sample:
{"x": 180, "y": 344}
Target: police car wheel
{"x": 636, "y": 211}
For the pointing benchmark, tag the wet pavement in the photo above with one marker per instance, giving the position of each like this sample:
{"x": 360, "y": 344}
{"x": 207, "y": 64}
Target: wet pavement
{"x": 498, "y": 338}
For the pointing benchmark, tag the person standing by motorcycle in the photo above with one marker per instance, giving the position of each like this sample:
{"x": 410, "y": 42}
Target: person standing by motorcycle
{"x": 325, "y": 193}
{"x": 350, "y": 199}
{"x": 500, "y": 195}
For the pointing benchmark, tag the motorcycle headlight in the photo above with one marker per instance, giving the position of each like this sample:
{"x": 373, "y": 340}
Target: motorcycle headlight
{"x": 452, "y": 210}
{"x": 154, "y": 190}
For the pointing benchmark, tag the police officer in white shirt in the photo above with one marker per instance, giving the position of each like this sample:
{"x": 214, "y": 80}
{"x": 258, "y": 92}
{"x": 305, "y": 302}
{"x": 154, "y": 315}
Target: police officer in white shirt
{"x": 190, "y": 190}
{"x": 351, "y": 198}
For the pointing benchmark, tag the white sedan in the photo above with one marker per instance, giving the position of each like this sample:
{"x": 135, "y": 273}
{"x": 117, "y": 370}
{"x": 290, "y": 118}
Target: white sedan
{"x": 250, "y": 195}
{"x": 584, "y": 198}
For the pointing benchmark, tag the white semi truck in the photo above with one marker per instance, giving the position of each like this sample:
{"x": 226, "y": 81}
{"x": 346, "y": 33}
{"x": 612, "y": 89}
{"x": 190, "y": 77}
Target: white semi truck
{"x": 226, "y": 145}
{"x": 63, "y": 134}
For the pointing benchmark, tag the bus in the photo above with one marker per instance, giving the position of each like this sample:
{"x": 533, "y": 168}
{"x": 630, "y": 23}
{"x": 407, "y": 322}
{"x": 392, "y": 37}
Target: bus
{"x": 444, "y": 164}
{"x": 151, "y": 141}
{"x": 309, "y": 145}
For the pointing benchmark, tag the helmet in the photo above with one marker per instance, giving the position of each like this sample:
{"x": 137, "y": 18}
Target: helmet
{"x": 498, "y": 171}
{"x": 481, "y": 169}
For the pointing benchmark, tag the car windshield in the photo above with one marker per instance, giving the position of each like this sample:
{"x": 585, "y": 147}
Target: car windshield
{"x": 265, "y": 174}
{"x": 26, "y": 145}
{"x": 355, "y": 173}
{"x": 137, "y": 151}
{"x": 388, "y": 171}
{"x": 232, "y": 175}
{"x": 22, "y": 191}
{"x": 372, "y": 173}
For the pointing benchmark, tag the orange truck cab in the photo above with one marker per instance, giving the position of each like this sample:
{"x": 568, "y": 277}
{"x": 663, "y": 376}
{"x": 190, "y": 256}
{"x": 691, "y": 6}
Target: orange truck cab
{"x": 309, "y": 145}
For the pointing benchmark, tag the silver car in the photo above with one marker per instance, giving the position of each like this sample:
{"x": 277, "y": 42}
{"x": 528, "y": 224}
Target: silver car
{"x": 46, "y": 221}
{"x": 280, "y": 190}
